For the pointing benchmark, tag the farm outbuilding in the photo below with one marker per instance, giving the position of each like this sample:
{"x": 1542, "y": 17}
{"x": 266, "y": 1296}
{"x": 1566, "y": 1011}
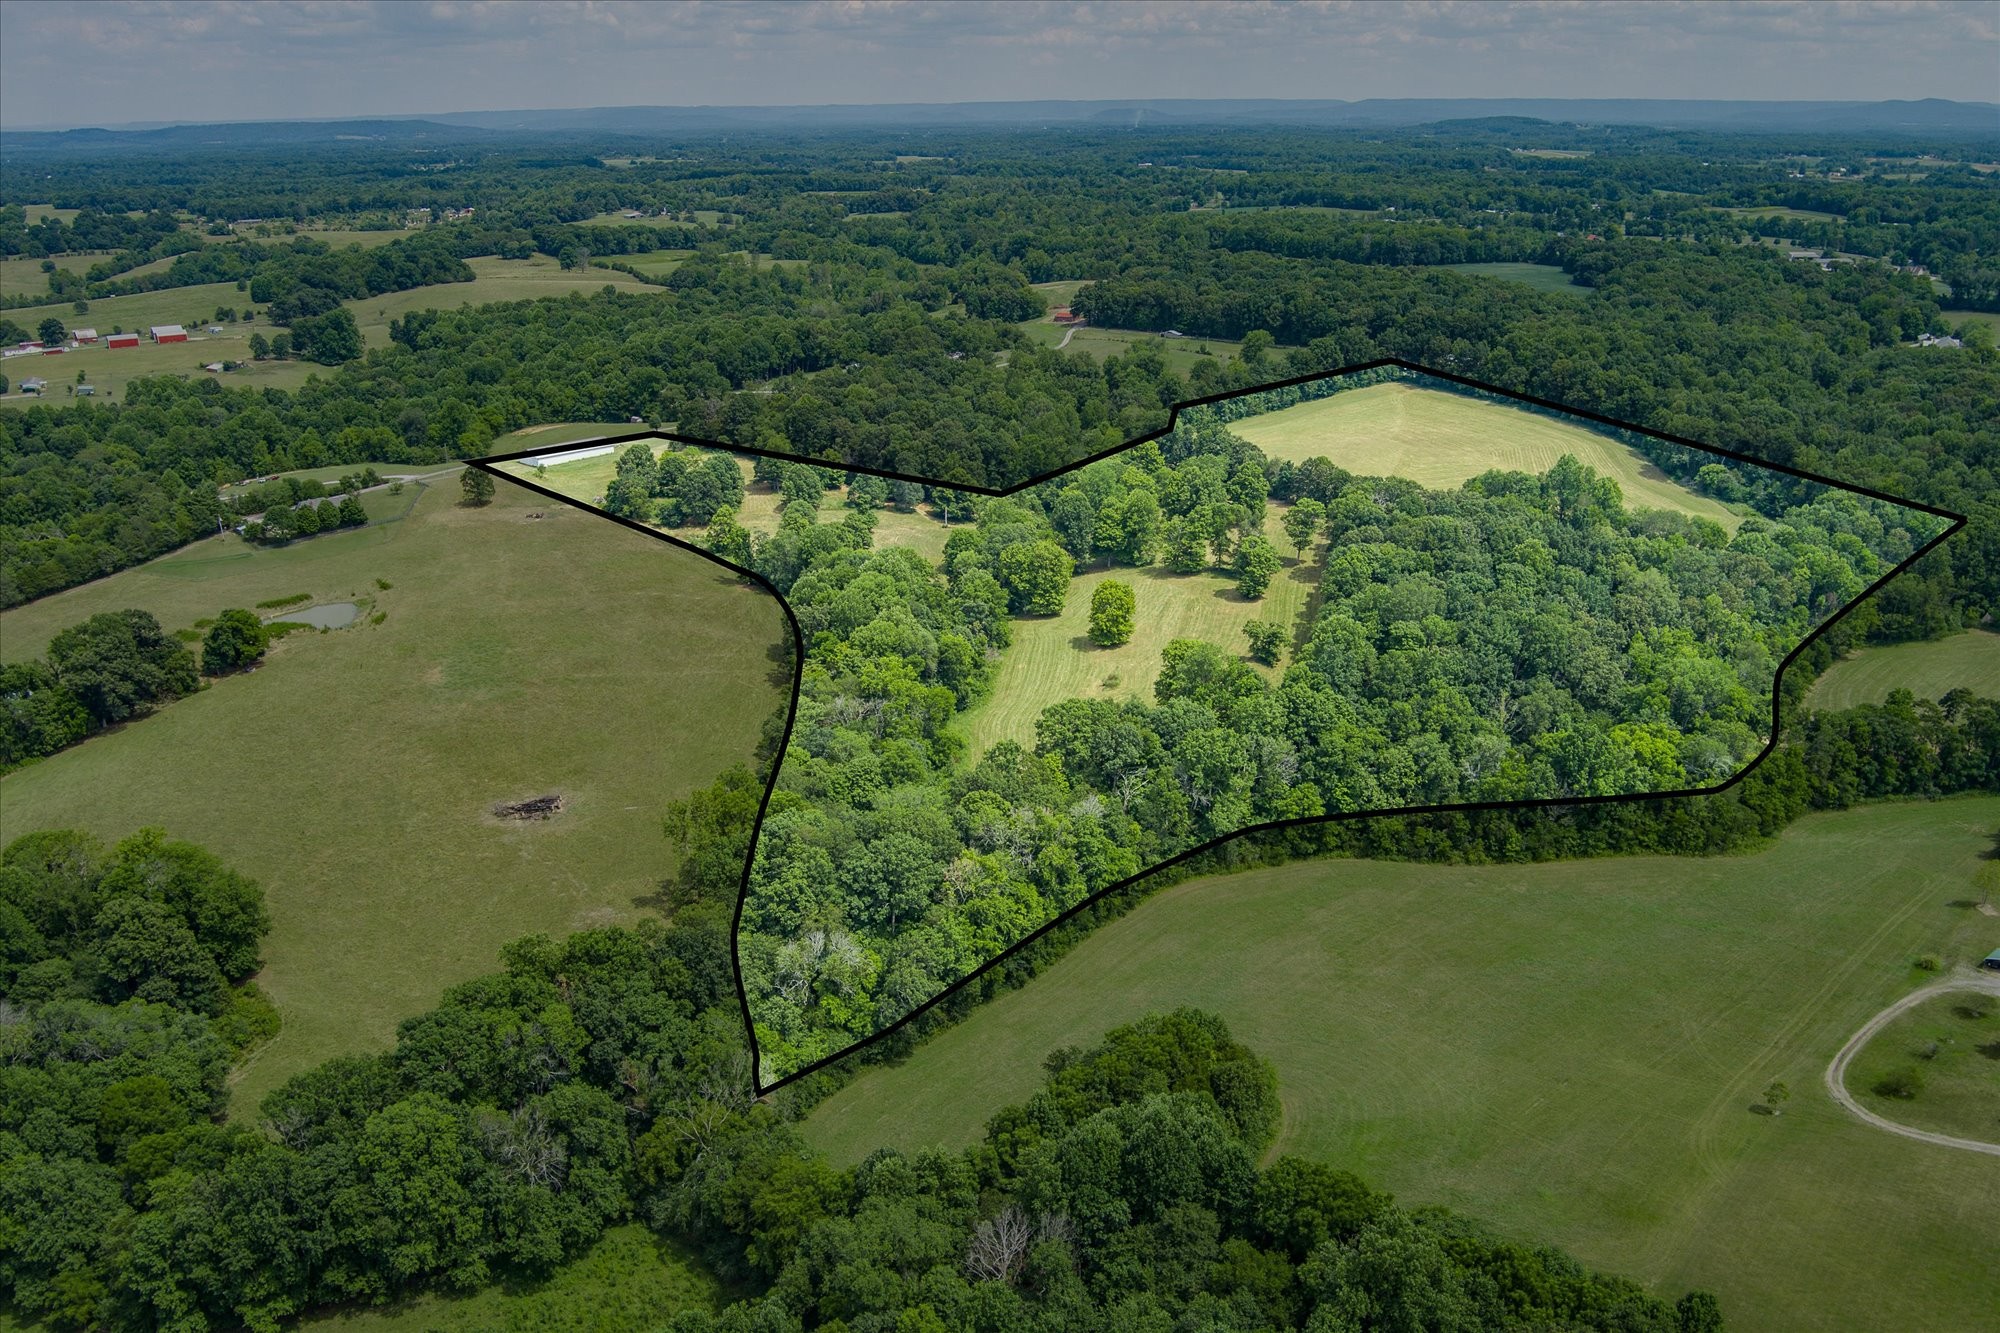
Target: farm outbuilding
{"x": 1991, "y": 960}
{"x": 169, "y": 333}
{"x": 122, "y": 340}
{"x": 83, "y": 335}
{"x": 570, "y": 455}
{"x": 34, "y": 384}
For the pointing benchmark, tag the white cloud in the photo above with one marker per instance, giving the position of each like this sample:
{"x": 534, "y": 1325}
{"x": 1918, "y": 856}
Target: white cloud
{"x": 124, "y": 60}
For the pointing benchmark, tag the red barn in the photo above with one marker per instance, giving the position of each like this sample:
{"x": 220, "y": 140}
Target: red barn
{"x": 122, "y": 340}
{"x": 169, "y": 333}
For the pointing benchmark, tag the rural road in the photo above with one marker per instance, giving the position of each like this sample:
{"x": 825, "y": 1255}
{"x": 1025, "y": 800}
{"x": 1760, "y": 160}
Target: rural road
{"x": 1836, "y": 1073}
{"x": 1066, "y": 337}
{"x": 394, "y": 480}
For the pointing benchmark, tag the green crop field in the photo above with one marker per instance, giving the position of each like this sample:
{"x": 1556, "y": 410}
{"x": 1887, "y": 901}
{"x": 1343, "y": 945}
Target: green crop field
{"x": 1568, "y": 1051}
{"x": 1052, "y": 657}
{"x": 1952, "y": 1042}
{"x": 631, "y": 1279}
{"x": 497, "y": 280}
{"x": 1441, "y": 439}
{"x": 354, "y": 773}
{"x": 1542, "y": 277}
{"x": 1969, "y": 660}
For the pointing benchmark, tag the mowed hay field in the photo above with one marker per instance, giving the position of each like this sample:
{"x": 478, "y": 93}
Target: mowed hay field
{"x": 497, "y": 280}
{"x": 1966, "y": 660}
{"x": 1441, "y": 440}
{"x": 1952, "y": 1043}
{"x": 354, "y": 774}
{"x": 1052, "y": 657}
{"x": 1568, "y": 1051}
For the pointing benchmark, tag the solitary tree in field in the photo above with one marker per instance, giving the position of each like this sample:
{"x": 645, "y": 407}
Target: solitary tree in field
{"x": 260, "y": 347}
{"x": 51, "y": 331}
{"x": 1111, "y": 610}
{"x": 478, "y": 487}
{"x": 1036, "y": 577}
{"x": 1267, "y": 641}
{"x": 1301, "y": 522}
{"x": 1256, "y": 563}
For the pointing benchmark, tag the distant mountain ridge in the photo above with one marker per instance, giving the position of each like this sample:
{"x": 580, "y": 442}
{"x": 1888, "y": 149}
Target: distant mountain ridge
{"x": 1932, "y": 116}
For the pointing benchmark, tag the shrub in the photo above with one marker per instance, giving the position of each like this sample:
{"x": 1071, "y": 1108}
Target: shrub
{"x": 1902, "y": 1084}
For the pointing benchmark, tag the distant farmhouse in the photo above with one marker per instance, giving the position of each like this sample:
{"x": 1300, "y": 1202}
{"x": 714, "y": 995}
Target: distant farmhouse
{"x": 1933, "y": 340}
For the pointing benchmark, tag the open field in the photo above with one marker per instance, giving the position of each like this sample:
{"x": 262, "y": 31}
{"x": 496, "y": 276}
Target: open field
{"x": 497, "y": 280}
{"x": 588, "y": 478}
{"x": 558, "y": 432}
{"x": 1953, "y": 1042}
{"x": 1568, "y": 1051}
{"x": 110, "y": 371}
{"x": 1801, "y": 214}
{"x": 1970, "y": 659}
{"x": 38, "y": 212}
{"x": 657, "y": 264}
{"x": 1542, "y": 277}
{"x": 1052, "y": 657}
{"x": 1441, "y": 440}
{"x": 353, "y": 774}
{"x": 1181, "y": 353}
{"x": 1986, "y": 317}
{"x": 1062, "y": 292}
{"x": 335, "y": 471}
{"x": 191, "y": 306}
{"x": 629, "y": 1280}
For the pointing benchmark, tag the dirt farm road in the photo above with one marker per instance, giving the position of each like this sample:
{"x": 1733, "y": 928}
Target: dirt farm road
{"x": 1836, "y": 1073}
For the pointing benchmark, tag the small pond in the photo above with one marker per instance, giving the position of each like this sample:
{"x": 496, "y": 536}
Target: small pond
{"x": 327, "y": 615}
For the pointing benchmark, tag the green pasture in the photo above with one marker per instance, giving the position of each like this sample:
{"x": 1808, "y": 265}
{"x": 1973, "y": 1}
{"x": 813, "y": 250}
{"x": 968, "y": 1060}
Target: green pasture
{"x": 1570, "y": 1051}
{"x": 1052, "y": 657}
{"x": 110, "y": 370}
{"x": 1952, "y": 1043}
{"x": 657, "y": 264}
{"x": 496, "y": 280}
{"x": 1987, "y": 317}
{"x": 630, "y": 1280}
{"x": 1441, "y": 439}
{"x": 1542, "y": 277}
{"x": 354, "y": 773}
{"x": 1181, "y": 354}
{"x": 1801, "y": 214}
{"x": 1968, "y": 660}
{"x": 191, "y": 306}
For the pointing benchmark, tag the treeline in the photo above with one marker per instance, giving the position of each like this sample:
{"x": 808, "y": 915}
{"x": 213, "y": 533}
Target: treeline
{"x": 603, "y": 1077}
{"x": 1519, "y": 638}
{"x": 110, "y": 668}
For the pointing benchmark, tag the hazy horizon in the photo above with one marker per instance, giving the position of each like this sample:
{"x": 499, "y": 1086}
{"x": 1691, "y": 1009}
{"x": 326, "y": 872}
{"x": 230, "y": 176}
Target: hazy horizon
{"x": 127, "y": 62}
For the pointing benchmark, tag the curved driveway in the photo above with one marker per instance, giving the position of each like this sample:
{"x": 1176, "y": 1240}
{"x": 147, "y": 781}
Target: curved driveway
{"x": 1836, "y": 1073}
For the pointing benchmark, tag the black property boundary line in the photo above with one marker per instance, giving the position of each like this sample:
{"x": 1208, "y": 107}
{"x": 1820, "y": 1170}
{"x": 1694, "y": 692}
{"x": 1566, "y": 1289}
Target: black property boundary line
{"x": 1955, "y": 523}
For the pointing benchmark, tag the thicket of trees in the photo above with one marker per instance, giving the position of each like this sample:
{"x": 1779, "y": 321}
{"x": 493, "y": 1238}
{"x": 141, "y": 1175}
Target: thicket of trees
{"x": 114, "y": 666}
{"x": 1521, "y": 637}
{"x": 604, "y": 1077}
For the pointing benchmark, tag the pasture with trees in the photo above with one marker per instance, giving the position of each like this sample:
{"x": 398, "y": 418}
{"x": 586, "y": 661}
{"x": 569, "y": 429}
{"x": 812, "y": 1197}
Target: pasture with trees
{"x": 1455, "y": 606}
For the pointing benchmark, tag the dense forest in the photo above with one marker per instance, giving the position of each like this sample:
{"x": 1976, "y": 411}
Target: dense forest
{"x": 888, "y": 335}
{"x": 1522, "y": 637}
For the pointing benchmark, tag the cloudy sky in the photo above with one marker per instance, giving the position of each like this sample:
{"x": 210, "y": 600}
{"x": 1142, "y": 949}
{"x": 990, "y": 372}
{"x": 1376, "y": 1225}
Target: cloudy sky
{"x": 64, "y": 63}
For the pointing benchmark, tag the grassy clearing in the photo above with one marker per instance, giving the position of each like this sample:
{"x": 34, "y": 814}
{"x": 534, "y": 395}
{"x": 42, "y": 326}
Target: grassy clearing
{"x": 1569, "y": 1051}
{"x": 354, "y": 773}
{"x": 657, "y": 264}
{"x": 1182, "y": 354}
{"x": 496, "y": 280}
{"x": 1440, "y": 440}
{"x": 629, "y": 1281}
{"x": 1542, "y": 277}
{"x": 1987, "y": 317}
{"x": 1801, "y": 214}
{"x": 588, "y": 478}
{"x": 192, "y": 306}
{"x": 559, "y": 432}
{"x": 1052, "y": 657}
{"x": 111, "y": 370}
{"x": 1928, "y": 670}
{"x": 1952, "y": 1043}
